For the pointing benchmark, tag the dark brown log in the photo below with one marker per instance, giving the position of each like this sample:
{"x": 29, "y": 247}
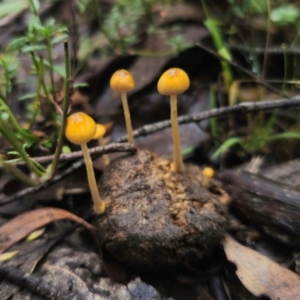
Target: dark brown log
{"x": 270, "y": 205}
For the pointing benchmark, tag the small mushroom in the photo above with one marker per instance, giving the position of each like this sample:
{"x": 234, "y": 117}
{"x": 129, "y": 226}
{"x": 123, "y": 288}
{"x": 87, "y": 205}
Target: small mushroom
{"x": 100, "y": 132}
{"x": 80, "y": 129}
{"x": 172, "y": 83}
{"x": 122, "y": 81}
{"x": 207, "y": 173}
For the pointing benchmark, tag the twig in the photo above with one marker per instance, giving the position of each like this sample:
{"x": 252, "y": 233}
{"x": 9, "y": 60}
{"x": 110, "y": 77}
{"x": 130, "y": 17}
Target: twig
{"x": 262, "y": 82}
{"x": 31, "y": 190}
{"x": 111, "y": 148}
{"x": 244, "y": 107}
{"x": 65, "y": 111}
{"x": 261, "y": 50}
{"x": 34, "y": 284}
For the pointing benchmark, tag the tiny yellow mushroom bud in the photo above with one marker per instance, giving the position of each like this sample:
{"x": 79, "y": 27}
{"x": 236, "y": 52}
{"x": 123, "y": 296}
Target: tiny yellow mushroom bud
{"x": 80, "y": 129}
{"x": 122, "y": 81}
{"x": 172, "y": 83}
{"x": 207, "y": 173}
{"x": 100, "y": 132}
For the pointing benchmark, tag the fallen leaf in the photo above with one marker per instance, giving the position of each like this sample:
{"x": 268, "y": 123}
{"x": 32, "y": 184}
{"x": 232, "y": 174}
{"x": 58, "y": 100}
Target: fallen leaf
{"x": 7, "y": 255}
{"x": 35, "y": 234}
{"x": 260, "y": 275}
{"x": 19, "y": 227}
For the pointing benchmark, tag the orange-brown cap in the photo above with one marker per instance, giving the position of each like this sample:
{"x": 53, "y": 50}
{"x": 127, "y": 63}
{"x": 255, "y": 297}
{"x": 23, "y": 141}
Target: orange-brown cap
{"x": 80, "y": 128}
{"x": 122, "y": 81}
{"x": 173, "y": 82}
{"x": 100, "y": 131}
{"x": 208, "y": 172}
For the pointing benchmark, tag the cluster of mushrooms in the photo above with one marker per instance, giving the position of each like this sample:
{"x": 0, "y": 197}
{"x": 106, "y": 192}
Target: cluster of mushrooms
{"x": 154, "y": 213}
{"x": 81, "y": 128}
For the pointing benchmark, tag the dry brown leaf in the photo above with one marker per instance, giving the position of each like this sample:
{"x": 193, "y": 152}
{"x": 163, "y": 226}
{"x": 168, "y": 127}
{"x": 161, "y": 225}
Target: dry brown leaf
{"x": 19, "y": 227}
{"x": 260, "y": 275}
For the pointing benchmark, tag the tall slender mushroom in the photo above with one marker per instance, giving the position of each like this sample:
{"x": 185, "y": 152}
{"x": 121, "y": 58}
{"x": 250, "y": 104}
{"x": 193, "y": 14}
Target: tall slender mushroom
{"x": 172, "y": 83}
{"x": 80, "y": 129}
{"x": 100, "y": 132}
{"x": 122, "y": 81}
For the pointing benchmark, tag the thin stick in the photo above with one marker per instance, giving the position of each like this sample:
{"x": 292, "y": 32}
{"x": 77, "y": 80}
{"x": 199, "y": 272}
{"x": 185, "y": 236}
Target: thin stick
{"x": 243, "y": 108}
{"x": 96, "y": 151}
{"x": 262, "y": 82}
{"x": 34, "y": 283}
{"x": 75, "y": 166}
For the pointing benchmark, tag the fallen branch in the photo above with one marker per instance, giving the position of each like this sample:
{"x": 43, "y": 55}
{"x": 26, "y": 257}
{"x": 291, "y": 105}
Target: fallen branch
{"x": 96, "y": 151}
{"x": 78, "y": 164}
{"x": 243, "y": 108}
{"x": 34, "y": 284}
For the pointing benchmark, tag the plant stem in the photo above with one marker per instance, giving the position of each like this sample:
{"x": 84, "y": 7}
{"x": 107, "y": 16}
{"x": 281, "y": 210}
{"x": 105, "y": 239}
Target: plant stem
{"x": 285, "y": 69}
{"x": 49, "y": 48}
{"x": 127, "y": 117}
{"x": 36, "y": 103}
{"x": 213, "y": 121}
{"x": 15, "y": 123}
{"x": 98, "y": 17}
{"x": 99, "y": 204}
{"x": 178, "y": 165}
{"x": 36, "y": 64}
{"x": 268, "y": 40}
{"x": 65, "y": 109}
{"x": 10, "y": 136}
{"x": 18, "y": 173}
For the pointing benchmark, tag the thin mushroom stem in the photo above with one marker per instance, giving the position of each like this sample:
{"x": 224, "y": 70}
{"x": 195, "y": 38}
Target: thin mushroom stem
{"x": 99, "y": 204}
{"x": 178, "y": 164}
{"x": 127, "y": 118}
{"x": 104, "y": 156}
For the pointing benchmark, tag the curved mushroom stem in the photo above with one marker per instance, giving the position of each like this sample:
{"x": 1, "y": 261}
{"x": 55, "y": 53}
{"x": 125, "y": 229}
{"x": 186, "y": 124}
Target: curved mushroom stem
{"x": 127, "y": 118}
{"x": 178, "y": 165}
{"x": 99, "y": 204}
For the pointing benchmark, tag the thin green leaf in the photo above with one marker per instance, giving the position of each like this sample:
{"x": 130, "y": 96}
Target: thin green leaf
{"x": 36, "y": 5}
{"x": 284, "y": 135}
{"x": 187, "y": 151}
{"x": 226, "y": 145}
{"x": 33, "y": 48}
{"x": 10, "y": 7}
{"x": 17, "y": 44}
{"x": 27, "y": 96}
{"x": 59, "y": 39}
{"x": 80, "y": 84}
{"x": 57, "y": 69}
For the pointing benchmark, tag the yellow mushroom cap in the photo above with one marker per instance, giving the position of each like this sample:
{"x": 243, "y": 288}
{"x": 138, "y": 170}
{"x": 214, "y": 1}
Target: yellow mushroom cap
{"x": 100, "y": 131}
{"x": 173, "y": 82}
{"x": 122, "y": 81}
{"x": 208, "y": 172}
{"x": 80, "y": 128}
